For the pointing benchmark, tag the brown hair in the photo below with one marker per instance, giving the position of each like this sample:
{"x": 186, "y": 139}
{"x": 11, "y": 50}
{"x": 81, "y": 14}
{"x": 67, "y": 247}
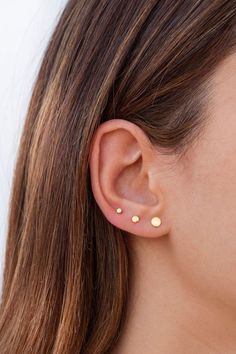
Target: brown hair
{"x": 67, "y": 269}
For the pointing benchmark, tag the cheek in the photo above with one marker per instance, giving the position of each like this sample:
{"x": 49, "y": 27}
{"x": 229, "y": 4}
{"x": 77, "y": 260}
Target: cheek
{"x": 204, "y": 214}
{"x": 204, "y": 234}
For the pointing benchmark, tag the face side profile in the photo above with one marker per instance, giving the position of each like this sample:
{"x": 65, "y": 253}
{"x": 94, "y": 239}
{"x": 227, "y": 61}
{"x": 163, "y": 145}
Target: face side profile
{"x": 133, "y": 108}
{"x": 184, "y": 269}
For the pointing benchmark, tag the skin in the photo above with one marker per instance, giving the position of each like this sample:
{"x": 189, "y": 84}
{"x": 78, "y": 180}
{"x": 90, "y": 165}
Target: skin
{"x": 183, "y": 284}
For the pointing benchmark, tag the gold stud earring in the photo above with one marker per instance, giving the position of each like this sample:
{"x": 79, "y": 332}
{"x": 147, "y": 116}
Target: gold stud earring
{"x": 135, "y": 219}
{"x": 156, "y": 222}
{"x": 119, "y": 210}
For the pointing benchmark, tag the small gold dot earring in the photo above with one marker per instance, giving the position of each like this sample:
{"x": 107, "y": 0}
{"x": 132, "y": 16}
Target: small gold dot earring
{"x": 135, "y": 219}
{"x": 119, "y": 210}
{"x": 155, "y": 221}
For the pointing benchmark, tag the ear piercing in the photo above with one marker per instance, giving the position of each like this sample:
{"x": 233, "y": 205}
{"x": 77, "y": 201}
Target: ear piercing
{"x": 155, "y": 221}
{"x": 135, "y": 219}
{"x": 119, "y": 210}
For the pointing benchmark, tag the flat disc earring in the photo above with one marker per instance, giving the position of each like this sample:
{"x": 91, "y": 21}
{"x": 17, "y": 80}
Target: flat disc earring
{"x": 155, "y": 221}
{"x": 135, "y": 219}
{"x": 119, "y": 210}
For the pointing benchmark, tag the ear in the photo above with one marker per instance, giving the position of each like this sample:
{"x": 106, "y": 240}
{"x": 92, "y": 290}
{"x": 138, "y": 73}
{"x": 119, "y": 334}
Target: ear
{"x": 123, "y": 169}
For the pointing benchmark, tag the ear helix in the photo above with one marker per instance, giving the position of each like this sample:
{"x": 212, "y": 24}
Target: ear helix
{"x": 155, "y": 221}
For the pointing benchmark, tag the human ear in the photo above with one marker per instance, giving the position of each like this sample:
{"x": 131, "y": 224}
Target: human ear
{"x": 122, "y": 169}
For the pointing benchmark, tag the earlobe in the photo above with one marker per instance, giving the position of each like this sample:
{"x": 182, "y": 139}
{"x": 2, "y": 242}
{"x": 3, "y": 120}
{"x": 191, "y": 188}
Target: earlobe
{"x": 155, "y": 221}
{"x": 119, "y": 161}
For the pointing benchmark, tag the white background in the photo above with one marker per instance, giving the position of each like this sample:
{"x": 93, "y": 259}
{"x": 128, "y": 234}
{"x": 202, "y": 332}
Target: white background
{"x": 25, "y": 28}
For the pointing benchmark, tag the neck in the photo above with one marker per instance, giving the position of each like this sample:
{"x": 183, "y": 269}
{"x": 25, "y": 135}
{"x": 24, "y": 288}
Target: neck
{"x": 167, "y": 315}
